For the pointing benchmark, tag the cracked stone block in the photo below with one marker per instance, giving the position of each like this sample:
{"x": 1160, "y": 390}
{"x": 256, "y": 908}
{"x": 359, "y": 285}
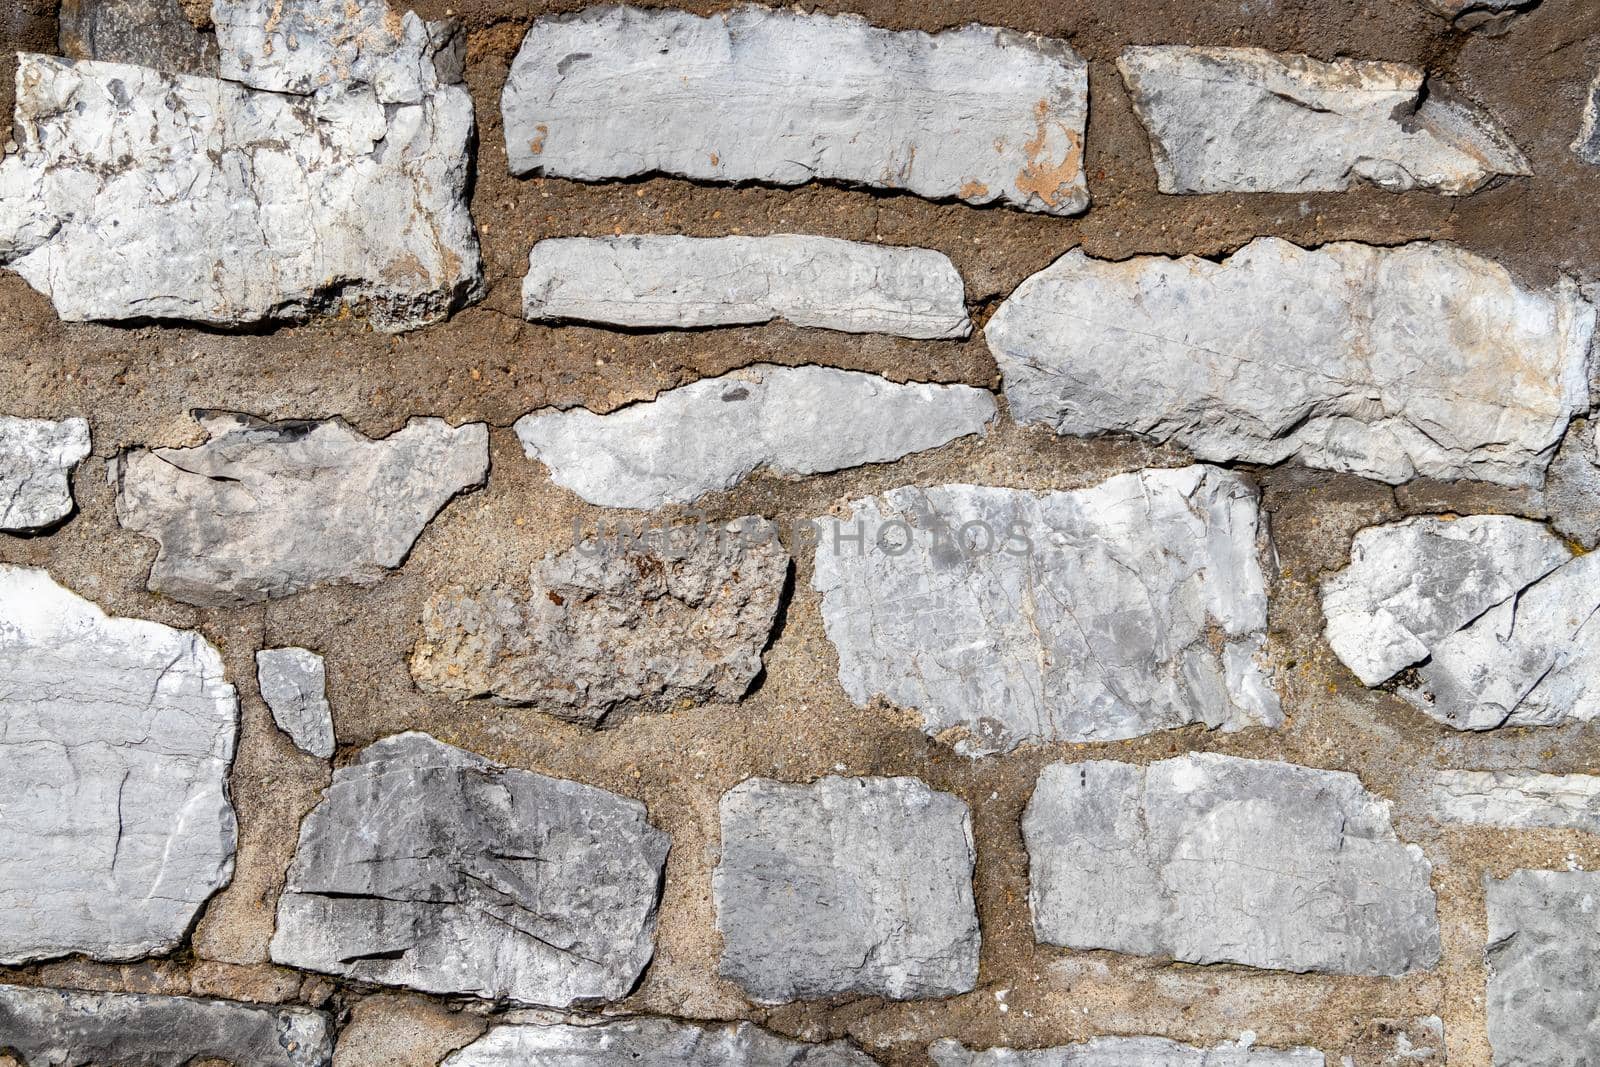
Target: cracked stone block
{"x": 645, "y": 281}
{"x": 429, "y": 867}
{"x": 1390, "y": 363}
{"x": 1006, "y": 616}
{"x": 712, "y": 434}
{"x": 1216, "y": 859}
{"x": 610, "y": 624}
{"x": 36, "y": 461}
{"x": 1124, "y": 1052}
{"x": 1587, "y": 146}
{"x": 72, "y": 1028}
{"x": 294, "y": 683}
{"x": 980, "y": 114}
{"x": 649, "y": 1043}
{"x": 846, "y": 886}
{"x": 1517, "y": 799}
{"x": 146, "y": 33}
{"x": 115, "y": 824}
{"x": 1544, "y": 968}
{"x": 264, "y": 510}
{"x": 1247, "y": 120}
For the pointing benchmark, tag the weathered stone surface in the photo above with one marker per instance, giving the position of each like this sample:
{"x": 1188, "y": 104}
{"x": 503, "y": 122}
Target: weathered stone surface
{"x": 712, "y": 434}
{"x": 1544, "y": 968}
{"x": 1124, "y": 1052}
{"x": 1252, "y": 121}
{"x": 977, "y": 113}
{"x": 1471, "y": 13}
{"x": 429, "y": 867}
{"x": 294, "y": 683}
{"x": 267, "y": 509}
{"x": 668, "y": 281}
{"x": 846, "y": 885}
{"x": 1517, "y": 799}
{"x": 1413, "y": 582}
{"x": 70, "y": 1028}
{"x": 1384, "y": 362}
{"x": 1414, "y": 1042}
{"x": 146, "y": 33}
{"x": 1215, "y": 859}
{"x": 36, "y": 461}
{"x": 115, "y": 825}
{"x": 606, "y": 624}
{"x": 1132, "y": 606}
{"x": 649, "y": 1043}
{"x": 1587, "y": 146}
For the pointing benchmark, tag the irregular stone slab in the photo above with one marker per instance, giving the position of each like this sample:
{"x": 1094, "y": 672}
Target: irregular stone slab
{"x": 649, "y": 1043}
{"x": 1245, "y": 120}
{"x": 980, "y": 114}
{"x": 664, "y": 281}
{"x": 146, "y": 33}
{"x": 1517, "y": 799}
{"x": 847, "y": 885}
{"x": 1544, "y": 968}
{"x": 36, "y": 461}
{"x": 1469, "y": 14}
{"x": 711, "y": 434}
{"x": 1215, "y": 859}
{"x": 117, "y": 734}
{"x": 266, "y": 509}
{"x": 1124, "y": 1052}
{"x": 1385, "y": 362}
{"x": 69, "y": 1028}
{"x": 1413, "y": 582}
{"x": 606, "y": 624}
{"x": 429, "y": 867}
{"x": 294, "y": 683}
{"x": 1587, "y": 146}
{"x": 1006, "y": 616}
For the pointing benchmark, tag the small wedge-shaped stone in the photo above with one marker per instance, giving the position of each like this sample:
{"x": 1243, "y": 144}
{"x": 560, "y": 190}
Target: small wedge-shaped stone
{"x": 115, "y": 741}
{"x": 1385, "y": 362}
{"x": 647, "y": 1042}
{"x": 1246, "y": 120}
{"x": 1124, "y": 1052}
{"x": 267, "y": 509}
{"x": 977, "y": 113}
{"x": 1469, "y": 14}
{"x": 294, "y": 683}
{"x": 1006, "y": 616}
{"x": 664, "y": 281}
{"x": 1587, "y": 146}
{"x": 1517, "y": 799}
{"x": 36, "y": 461}
{"x": 711, "y": 434}
{"x": 72, "y": 1028}
{"x": 429, "y": 867}
{"x": 1413, "y": 582}
{"x": 1544, "y": 968}
{"x": 847, "y": 885}
{"x": 1214, "y": 859}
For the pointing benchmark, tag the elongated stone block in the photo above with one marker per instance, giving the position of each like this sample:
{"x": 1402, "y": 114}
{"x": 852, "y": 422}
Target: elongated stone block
{"x": 1124, "y": 1052}
{"x": 36, "y": 461}
{"x": 1391, "y": 363}
{"x": 981, "y": 114}
{"x": 649, "y": 1043}
{"x": 1517, "y": 799}
{"x": 294, "y": 683}
{"x": 665, "y": 281}
{"x": 1544, "y": 968}
{"x": 1587, "y": 146}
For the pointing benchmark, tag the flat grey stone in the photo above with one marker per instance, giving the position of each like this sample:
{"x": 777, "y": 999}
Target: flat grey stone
{"x": 1215, "y": 859}
{"x": 73, "y": 1028}
{"x": 294, "y": 683}
{"x": 1385, "y": 362}
{"x": 606, "y": 625}
{"x": 664, "y": 281}
{"x": 1006, "y": 616}
{"x": 266, "y": 509}
{"x": 1411, "y": 583}
{"x": 1517, "y": 799}
{"x": 978, "y": 113}
{"x": 146, "y": 33}
{"x": 1544, "y": 968}
{"x": 847, "y": 885}
{"x": 1124, "y": 1052}
{"x": 1587, "y": 146}
{"x": 713, "y": 433}
{"x": 646, "y": 1042}
{"x": 36, "y": 461}
{"x": 115, "y": 825}
{"x": 429, "y": 867}
{"x": 1251, "y": 121}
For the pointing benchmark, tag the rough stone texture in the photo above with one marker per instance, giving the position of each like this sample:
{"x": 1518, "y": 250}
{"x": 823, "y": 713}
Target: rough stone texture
{"x": 1124, "y": 1052}
{"x": 69, "y": 1028}
{"x": 1414, "y": 1042}
{"x": 115, "y": 825}
{"x": 267, "y": 509}
{"x": 711, "y": 434}
{"x": 605, "y": 625}
{"x": 1470, "y": 14}
{"x": 1544, "y": 968}
{"x": 649, "y": 1043}
{"x": 294, "y": 683}
{"x": 146, "y": 33}
{"x": 429, "y": 867}
{"x": 395, "y": 1029}
{"x": 1413, "y": 582}
{"x": 1587, "y": 146}
{"x": 1214, "y": 859}
{"x": 668, "y": 281}
{"x": 1517, "y": 798}
{"x": 847, "y": 885}
{"x": 981, "y": 114}
{"x": 36, "y": 461}
{"x": 1103, "y": 613}
{"x": 1252, "y": 121}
